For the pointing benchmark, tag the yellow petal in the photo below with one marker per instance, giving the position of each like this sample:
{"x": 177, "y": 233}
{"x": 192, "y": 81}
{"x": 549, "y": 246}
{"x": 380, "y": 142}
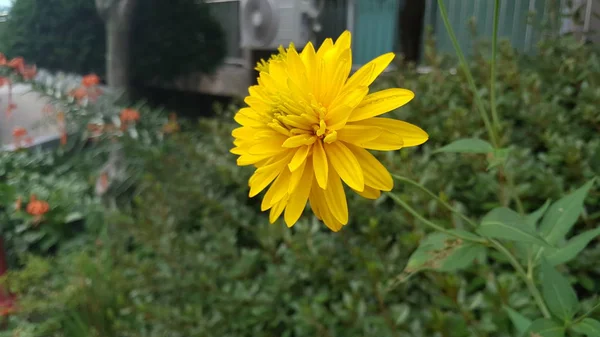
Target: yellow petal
{"x": 299, "y": 158}
{"x": 299, "y": 140}
{"x": 320, "y": 164}
{"x": 346, "y": 165}
{"x": 358, "y": 135}
{"x": 369, "y": 193}
{"x": 375, "y": 66}
{"x": 297, "y": 200}
{"x": 381, "y": 102}
{"x": 324, "y": 48}
{"x": 319, "y": 206}
{"x": 266, "y": 174}
{"x": 337, "y": 117}
{"x": 268, "y": 145}
{"x": 344, "y": 41}
{"x": 309, "y": 58}
{"x": 277, "y": 191}
{"x": 351, "y": 98}
{"x": 376, "y": 175}
{"x": 336, "y": 198}
{"x": 277, "y": 210}
{"x": 411, "y": 134}
{"x": 296, "y": 176}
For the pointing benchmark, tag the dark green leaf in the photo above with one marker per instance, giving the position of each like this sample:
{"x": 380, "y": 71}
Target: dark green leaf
{"x": 558, "y": 293}
{"x": 520, "y": 322}
{"x": 546, "y": 328}
{"x": 504, "y": 223}
{"x": 467, "y": 145}
{"x": 563, "y": 214}
{"x": 573, "y": 247}
{"x": 588, "y": 326}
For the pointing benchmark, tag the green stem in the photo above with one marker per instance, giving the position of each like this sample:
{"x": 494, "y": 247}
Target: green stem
{"x": 537, "y": 296}
{"x": 584, "y": 316}
{"x": 467, "y": 71}
{"x": 431, "y": 194}
{"x": 495, "y": 118}
{"x": 434, "y": 226}
{"x": 513, "y": 191}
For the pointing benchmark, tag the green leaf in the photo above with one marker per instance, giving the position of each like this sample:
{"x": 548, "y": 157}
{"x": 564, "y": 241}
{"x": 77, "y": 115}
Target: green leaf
{"x": 558, "y": 293}
{"x": 546, "y": 328}
{"x": 443, "y": 252}
{"x": 71, "y": 217}
{"x": 533, "y": 218}
{"x": 588, "y": 326}
{"x": 520, "y": 322}
{"x": 498, "y": 157}
{"x": 573, "y": 247}
{"x": 467, "y": 145}
{"x": 563, "y": 214}
{"x": 504, "y": 223}
{"x": 462, "y": 257}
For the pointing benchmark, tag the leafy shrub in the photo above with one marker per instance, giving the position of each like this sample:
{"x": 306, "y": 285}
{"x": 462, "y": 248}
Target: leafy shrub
{"x": 200, "y": 258}
{"x": 169, "y": 39}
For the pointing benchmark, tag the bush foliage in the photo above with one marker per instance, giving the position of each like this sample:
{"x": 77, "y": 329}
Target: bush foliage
{"x": 169, "y": 38}
{"x": 182, "y": 251}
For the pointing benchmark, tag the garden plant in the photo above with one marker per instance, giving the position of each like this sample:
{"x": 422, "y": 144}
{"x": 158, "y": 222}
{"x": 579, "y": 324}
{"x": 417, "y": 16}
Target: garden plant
{"x": 478, "y": 216}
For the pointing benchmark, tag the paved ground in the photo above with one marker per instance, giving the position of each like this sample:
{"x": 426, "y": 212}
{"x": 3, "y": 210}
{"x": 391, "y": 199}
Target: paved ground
{"x": 27, "y": 114}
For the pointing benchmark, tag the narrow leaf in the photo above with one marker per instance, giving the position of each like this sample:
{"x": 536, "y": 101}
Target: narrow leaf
{"x": 558, "y": 293}
{"x": 588, "y": 326}
{"x": 563, "y": 214}
{"x": 442, "y": 252}
{"x": 462, "y": 257}
{"x": 533, "y": 218}
{"x": 544, "y": 327}
{"x": 573, "y": 247}
{"x": 504, "y": 223}
{"x": 520, "y": 322}
{"x": 467, "y": 145}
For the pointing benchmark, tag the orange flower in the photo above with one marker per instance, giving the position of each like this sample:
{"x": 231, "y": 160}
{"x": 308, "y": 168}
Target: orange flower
{"x": 79, "y": 93}
{"x": 28, "y": 72}
{"x": 60, "y": 117}
{"x": 2, "y": 60}
{"x": 3, "y": 81}
{"x": 129, "y": 115}
{"x": 63, "y": 138}
{"x": 17, "y": 63}
{"x": 37, "y": 208}
{"x": 19, "y": 132}
{"x": 90, "y": 80}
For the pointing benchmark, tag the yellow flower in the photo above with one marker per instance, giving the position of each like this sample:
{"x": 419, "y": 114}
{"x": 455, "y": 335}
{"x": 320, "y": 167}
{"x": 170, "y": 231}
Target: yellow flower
{"x": 308, "y": 127}
{"x": 263, "y": 66}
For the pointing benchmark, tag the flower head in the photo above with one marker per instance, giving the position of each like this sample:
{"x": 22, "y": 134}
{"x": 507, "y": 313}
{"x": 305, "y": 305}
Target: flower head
{"x": 19, "y": 132}
{"x": 17, "y": 63}
{"x": 129, "y": 115}
{"x": 37, "y": 207}
{"x": 90, "y": 80}
{"x": 308, "y": 128}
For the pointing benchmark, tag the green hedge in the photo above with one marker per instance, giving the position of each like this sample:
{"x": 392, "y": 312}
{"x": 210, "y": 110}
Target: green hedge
{"x": 191, "y": 255}
{"x": 169, "y": 38}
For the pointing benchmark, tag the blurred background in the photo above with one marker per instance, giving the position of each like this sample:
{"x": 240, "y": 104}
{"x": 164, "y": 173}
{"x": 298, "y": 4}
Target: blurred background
{"x": 141, "y": 224}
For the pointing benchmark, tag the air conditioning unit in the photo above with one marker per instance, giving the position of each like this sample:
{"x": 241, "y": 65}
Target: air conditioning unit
{"x": 267, "y": 24}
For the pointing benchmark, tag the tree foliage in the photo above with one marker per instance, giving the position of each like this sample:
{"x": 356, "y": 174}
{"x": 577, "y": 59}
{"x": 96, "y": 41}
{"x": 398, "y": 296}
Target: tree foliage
{"x": 169, "y": 38}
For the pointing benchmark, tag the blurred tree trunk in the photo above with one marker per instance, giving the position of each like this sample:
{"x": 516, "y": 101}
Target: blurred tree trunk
{"x": 117, "y": 15}
{"x": 410, "y": 24}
